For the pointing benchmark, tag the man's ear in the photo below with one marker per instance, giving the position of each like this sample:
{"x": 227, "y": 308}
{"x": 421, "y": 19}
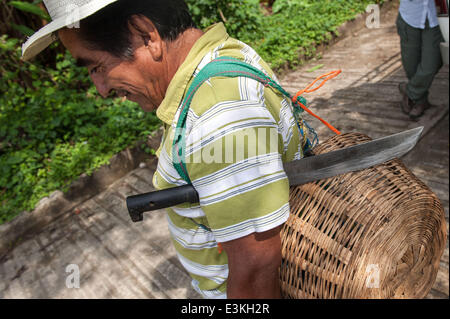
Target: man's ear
{"x": 144, "y": 32}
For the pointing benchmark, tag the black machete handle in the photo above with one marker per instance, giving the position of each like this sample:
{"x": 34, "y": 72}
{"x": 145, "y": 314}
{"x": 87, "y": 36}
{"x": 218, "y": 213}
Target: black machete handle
{"x": 138, "y": 204}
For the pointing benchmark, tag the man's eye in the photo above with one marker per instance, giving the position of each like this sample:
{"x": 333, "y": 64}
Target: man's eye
{"x": 94, "y": 70}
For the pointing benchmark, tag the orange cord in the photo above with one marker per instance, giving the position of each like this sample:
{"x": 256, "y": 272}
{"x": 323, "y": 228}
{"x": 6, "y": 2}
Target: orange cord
{"x": 325, "y": 77}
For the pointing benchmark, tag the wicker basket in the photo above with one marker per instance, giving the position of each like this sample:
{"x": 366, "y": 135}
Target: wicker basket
{"x": 377, "y": 233}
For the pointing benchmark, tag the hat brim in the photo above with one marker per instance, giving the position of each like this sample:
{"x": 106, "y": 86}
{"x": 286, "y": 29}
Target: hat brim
{"x": 46, "y": 35}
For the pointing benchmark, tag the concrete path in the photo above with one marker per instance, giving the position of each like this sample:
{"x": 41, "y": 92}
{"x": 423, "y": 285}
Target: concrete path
{"x": 120, "y": 259}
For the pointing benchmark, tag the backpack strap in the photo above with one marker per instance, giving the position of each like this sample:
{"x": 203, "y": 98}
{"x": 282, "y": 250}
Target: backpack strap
{"x": 229, "y": 67}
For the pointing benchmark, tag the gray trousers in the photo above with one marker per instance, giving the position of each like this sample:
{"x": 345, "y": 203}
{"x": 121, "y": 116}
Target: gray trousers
{"x": 421, "y": 57}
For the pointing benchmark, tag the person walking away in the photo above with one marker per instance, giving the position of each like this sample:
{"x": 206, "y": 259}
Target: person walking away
{"x": 420, "y": 38}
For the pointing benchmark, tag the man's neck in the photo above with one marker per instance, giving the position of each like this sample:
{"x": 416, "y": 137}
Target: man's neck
{"x": 179, "y": 49}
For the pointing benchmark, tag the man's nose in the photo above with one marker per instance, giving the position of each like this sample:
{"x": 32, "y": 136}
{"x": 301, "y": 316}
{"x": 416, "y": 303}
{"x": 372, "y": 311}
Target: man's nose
{"x": 101, "y": 84}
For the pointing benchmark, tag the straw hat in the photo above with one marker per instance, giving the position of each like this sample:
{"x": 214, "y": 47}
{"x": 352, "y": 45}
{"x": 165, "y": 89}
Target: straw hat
{"x": 64, "y": 13}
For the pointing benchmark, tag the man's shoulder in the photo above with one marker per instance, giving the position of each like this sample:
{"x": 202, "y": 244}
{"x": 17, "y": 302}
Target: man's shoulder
{"x": 216, "y": 92}
{"x": 222, "y": 90}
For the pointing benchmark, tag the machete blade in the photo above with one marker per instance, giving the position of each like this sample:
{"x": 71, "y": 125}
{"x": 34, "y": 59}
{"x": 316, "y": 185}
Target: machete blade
{"x": 350, "y": 159}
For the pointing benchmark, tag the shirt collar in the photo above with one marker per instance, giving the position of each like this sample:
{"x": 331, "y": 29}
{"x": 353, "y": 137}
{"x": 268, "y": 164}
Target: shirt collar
{"x": 214, "y": 35}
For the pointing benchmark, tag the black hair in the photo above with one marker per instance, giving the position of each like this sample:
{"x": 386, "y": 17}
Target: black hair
{"x": 107, "y": 30}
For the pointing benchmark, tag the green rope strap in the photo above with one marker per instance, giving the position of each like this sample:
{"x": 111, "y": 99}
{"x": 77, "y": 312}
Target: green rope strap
{"x": 228, "y": 67}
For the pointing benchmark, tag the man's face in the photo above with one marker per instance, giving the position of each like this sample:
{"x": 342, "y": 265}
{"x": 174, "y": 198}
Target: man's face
{"x": 142, "y": 80}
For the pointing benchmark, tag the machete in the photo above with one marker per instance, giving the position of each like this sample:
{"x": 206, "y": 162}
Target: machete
{"x": 302, "y": 171}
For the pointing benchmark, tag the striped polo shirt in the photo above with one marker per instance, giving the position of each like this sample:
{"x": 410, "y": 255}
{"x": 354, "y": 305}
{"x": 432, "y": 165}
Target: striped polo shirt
{"x": 238, "y": 134}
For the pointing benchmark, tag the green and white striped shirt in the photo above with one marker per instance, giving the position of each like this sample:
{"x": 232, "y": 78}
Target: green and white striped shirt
{"x": 238, "y": 134}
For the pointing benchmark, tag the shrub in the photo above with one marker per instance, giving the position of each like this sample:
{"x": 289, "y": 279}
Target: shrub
{"x": 243, "y": 18}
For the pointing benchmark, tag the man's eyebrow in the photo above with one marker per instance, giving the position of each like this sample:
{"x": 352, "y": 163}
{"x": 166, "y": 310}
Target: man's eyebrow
{"x": 84, "y": 62}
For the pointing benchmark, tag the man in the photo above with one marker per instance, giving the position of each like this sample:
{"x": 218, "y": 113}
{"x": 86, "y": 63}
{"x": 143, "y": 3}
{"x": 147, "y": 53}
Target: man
{"x": 149, "y": 52}
{"x": 420, "y": 38}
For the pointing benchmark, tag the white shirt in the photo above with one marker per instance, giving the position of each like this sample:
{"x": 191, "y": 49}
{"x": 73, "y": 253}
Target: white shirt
{"x": 415, "y": 13}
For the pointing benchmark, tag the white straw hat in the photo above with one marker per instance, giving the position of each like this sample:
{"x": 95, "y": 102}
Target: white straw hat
{"x": 64, "y": 13}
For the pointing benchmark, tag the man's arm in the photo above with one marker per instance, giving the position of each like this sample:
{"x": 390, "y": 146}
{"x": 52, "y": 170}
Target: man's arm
{"x": 253, "y": 263}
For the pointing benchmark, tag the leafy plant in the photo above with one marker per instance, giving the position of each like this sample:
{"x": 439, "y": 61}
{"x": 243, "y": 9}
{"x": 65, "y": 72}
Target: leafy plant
{"x": 297, "y": 27}
{"x": 31, "y": 8}
{"x": 243, "y": 18}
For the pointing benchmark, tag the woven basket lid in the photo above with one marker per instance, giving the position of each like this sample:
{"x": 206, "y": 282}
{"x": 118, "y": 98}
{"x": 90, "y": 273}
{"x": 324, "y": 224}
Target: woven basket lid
{"x": 376, "y": 233}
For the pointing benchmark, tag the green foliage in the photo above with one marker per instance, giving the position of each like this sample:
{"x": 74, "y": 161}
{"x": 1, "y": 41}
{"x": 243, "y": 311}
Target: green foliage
{"x": 242, "y": 18}
{"x": 22, "y": 29}
{"x": 54, "y": 126}
{"x": 296, "y": 27}
{"x": 31, "y": 8}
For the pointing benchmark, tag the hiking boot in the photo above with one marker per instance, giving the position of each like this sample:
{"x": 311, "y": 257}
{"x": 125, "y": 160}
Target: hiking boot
{"x": 411, "y": 108}
{"x": 418, "y": 109}
{"x": 406, "y": 104}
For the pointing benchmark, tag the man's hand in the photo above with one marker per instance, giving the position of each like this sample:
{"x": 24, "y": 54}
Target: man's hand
{"x": 253, "y": 263}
